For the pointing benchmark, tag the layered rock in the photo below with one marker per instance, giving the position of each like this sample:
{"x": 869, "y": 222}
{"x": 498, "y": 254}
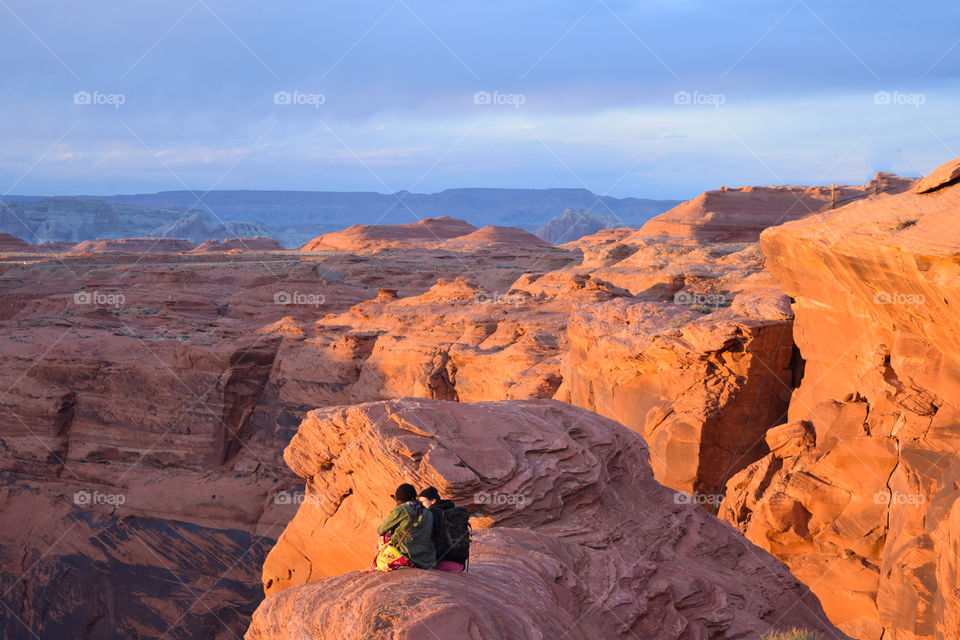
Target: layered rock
{"x": 366, "y": 237}
{"x": 493, "y": 235}
{"x": 859, "y": 495}
{"x": 740, "y": 214}
{"x": 175, "y": 379}
{"x": 257, "y": 243}
{"x": 573, "y": 224}
{"x": 572, "y": 535}
{"x": 133, "y": 245}
{"x": 699, "y": 360}
{"x": 176, "y": 385}
{"x": 12, "y": 244}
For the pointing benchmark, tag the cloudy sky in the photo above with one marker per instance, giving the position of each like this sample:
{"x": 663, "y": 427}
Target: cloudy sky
{"x": 663, "y": 98}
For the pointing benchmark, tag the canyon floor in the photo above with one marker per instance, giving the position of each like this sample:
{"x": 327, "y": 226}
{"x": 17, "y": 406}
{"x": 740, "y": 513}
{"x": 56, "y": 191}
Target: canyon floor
{"x": 740, "y": 418}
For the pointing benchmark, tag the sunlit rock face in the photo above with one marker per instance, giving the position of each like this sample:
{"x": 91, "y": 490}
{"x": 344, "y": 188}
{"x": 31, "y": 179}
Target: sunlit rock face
{"x": 859, "y": 495}
{"x": 573, "y": 536}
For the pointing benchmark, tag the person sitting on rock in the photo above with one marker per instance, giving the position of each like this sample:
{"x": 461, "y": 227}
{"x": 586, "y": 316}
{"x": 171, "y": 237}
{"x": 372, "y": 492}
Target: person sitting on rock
{"x": 406, "y": 535}
{"x": 451, "y": 531}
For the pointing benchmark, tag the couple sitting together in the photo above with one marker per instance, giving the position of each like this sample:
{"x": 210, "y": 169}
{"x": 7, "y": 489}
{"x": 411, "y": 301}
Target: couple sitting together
{"x": 423, "y": 532}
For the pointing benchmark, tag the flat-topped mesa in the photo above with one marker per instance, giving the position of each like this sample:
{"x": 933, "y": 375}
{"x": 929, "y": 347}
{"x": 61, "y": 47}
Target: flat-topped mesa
{"x": 572, "y": 536}
{"x": 13, "y": 244}
{"x": 133, "y": 245}
{"x": 861, "y": 493}
{"x": 257, "y": 243}
{"x": 367, "y": 237}
{"x": 741, "y": 214}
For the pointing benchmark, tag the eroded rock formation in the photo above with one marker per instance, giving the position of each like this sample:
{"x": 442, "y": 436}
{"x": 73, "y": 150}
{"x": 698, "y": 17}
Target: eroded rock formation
{"x": 740, "y": 214}
{"x": 573, "y": 537}
{"x": 860, "y": 493}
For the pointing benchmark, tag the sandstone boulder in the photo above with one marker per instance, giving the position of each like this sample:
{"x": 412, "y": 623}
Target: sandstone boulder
{"x": 573, "y": 537}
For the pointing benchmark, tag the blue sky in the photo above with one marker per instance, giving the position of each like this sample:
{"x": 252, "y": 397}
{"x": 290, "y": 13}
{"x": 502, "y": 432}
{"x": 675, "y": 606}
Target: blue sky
{"x": 650, "y": 99}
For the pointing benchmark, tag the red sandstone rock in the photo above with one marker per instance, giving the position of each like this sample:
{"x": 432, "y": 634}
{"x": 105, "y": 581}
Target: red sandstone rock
{"x": 258, "y": 243}
{"x": 12, "y": 244}
{"x": 740, "y": 214}
{"x": 366, "y": 237}
{"x": 491, "y": 235}
{"x": 866, "y": 513}
{"x": 133, "y": 245}
{"x": 573, "y": 538}
{"x": 202, "y": 374}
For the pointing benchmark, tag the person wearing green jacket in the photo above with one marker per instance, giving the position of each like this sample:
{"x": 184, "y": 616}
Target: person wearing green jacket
{"x": 411, "y": 528}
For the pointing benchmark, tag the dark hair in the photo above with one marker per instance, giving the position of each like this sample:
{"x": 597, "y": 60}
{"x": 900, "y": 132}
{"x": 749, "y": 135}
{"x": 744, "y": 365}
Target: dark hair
{"x": 405, "y": 493}
{"x": 430, "y": 493}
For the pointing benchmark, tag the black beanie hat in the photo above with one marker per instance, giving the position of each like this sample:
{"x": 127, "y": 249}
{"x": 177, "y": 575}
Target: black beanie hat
{"x": 430, "y": 493}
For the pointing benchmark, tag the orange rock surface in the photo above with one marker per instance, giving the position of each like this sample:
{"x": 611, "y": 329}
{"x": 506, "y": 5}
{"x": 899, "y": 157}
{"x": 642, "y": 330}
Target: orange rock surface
{"x": 176, "y": 379}
{"x": 365, "y": 237}
{"x": 860, "y": 494}
{"x": 740, "y": 214}
{"x": 573, "y": 537}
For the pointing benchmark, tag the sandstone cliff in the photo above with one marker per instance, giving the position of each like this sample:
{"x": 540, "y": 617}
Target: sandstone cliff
{"x": 859, "y": 495}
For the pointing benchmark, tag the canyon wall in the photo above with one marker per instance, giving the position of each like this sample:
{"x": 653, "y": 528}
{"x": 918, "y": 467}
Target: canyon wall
{"x": 859, "y": 495}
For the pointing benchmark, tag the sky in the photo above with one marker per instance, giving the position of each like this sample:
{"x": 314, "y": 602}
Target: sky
{"x": 658, "y": 99}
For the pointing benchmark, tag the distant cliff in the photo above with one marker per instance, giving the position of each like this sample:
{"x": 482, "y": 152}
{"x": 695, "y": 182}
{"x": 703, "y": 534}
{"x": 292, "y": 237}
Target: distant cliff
{"x": 295, "y": 217}
{"x": 573, "y": 224}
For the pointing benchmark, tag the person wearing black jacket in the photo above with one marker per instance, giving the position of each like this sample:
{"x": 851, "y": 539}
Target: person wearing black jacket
{"x": 430, "y": 498}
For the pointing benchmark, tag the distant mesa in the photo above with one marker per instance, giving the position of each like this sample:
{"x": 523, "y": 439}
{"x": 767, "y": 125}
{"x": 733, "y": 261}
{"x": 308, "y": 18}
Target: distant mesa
{"x": 491, "y": 235}
{"x": 201, "y": 226}
{"x": 372, "y": 237}
{"x": 12, "y": 244}
{"x": 133, "y": 245}
{"x": 573, "y": 224}
{"x": 258, "y": 243}
{"x": 741, "y": 214}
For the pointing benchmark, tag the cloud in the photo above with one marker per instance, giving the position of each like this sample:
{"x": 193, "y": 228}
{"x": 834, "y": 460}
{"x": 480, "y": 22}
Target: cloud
{"x": 399, "y": 82}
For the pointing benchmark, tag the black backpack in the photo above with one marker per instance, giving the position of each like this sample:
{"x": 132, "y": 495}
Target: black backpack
{"x": 454, "y": 542}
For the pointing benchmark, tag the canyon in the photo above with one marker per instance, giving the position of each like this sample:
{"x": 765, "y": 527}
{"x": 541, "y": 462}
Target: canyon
{"x": 744, "y": 380}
